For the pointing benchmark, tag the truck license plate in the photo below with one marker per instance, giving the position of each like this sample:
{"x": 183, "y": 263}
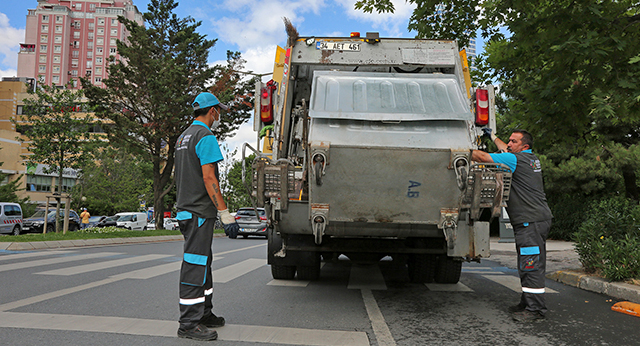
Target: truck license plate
{"x": 348, "y": 46}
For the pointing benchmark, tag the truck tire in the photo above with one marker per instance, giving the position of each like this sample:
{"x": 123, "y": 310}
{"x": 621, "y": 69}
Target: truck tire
{"x": 448, "y": 270}
{"x": 422, "y": 268}
{"x": 280, "y": 272}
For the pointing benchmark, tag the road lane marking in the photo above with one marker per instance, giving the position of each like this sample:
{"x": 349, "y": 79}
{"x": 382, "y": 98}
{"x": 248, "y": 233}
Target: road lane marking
{"x": 379, "y": 325}
{"x": 147, "y": 327}
{"x": 228, "y": 273}
{"x": 366, "y": 277}
{"x": 148, "y": 273}
{"x": 85, "y": 268}
{"x": 511, "y": 282}
{"x": 236, "y": 250}
{"x": 458, "y": 287}
{"x": 14, "y": 256}
{"x": 288, "y": 283}
{"x": 43, "y": 262}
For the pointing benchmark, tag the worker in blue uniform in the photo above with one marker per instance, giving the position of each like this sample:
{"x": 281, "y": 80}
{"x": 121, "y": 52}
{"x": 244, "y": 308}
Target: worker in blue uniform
{"x": 199, "y": 201}
{"x": 530, "y": 217}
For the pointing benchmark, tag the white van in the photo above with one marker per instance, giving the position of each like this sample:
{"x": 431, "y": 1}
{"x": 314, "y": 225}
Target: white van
{"x": 132, "y": 220}
{"x": 10, "y": 218}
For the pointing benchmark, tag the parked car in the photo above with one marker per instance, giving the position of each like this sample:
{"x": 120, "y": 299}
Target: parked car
{"x": 105, "y": 221}
{"x": 171, "y": 224}
{"x": 250, "y": 224}
{"x": 35, "y": 223}
{"x": 10, "y": 218}
{"x": 132, "y": 220}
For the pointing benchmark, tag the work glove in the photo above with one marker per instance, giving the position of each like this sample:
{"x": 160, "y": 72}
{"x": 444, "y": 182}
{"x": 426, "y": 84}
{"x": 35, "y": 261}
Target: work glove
{"x": 489, "y": 132}
{"x": 231, "y": 227}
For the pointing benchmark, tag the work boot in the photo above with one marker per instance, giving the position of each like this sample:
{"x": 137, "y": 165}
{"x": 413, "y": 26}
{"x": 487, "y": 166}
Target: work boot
{"x": 516, "y": 308}
{"x": 212, "y": 321}
{"x": 527, "y": 316}
{"x": 199, "y": 332}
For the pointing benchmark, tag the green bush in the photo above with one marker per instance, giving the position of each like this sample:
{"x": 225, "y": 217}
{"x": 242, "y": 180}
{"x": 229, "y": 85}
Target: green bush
{"x": 608, "y": 241}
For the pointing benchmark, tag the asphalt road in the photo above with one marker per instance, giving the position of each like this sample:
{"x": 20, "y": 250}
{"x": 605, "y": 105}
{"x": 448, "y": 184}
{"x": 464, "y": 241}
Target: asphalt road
{"x": 127, "y": 295}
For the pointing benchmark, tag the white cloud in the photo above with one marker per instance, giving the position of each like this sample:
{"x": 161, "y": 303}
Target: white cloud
{"x": 245, "y": 134}
{"x": 8, "y": 73}
{"x": 10, "y": 38}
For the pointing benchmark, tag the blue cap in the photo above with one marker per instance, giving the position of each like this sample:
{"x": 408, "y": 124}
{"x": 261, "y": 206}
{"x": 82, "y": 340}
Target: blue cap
{"x": 204, "y": 100}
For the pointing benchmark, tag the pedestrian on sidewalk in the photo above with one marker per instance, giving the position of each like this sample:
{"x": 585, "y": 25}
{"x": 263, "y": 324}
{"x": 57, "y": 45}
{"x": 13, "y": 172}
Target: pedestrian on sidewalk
{"x": 199, "y": 200}
{"x": 530, "y": 217}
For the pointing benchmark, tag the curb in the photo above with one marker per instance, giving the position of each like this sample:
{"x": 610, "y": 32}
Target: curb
{"x": 619, "y": 290}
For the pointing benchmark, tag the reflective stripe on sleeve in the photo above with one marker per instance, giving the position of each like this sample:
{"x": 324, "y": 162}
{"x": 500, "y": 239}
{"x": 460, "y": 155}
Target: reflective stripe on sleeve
{"x": 193, "y": 301}
{"x": 208, "y": 292}
{"x": 533, "y": 290}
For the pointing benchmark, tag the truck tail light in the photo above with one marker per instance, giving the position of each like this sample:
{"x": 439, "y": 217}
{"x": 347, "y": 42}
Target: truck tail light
{"x": 263, "y": 218}
{"x": 482, "y": 107}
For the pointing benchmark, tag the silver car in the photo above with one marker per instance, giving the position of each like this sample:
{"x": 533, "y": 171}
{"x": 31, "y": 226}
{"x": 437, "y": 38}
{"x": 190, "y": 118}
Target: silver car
{"x": 250, "y": 224}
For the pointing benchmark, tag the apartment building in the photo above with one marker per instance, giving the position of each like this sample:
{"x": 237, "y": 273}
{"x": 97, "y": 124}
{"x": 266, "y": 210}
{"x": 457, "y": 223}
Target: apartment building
{"x": 67, "y": 39}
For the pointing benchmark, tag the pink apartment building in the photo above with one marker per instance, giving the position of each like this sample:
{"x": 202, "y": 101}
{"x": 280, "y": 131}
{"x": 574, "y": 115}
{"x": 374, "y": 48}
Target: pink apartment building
{"x": 67, "y": 39}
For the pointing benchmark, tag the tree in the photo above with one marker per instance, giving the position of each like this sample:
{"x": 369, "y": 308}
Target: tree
{"x": 233, "y": 189}
{"x": 113, "y": 183}
{"x": 57, "y": 136}
{"x": 150, "y": 89}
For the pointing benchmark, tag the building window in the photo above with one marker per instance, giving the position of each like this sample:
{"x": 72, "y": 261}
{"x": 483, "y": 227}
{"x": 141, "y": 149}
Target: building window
{"x": 45, "y": 28}
{"x": 90, "y": 36}
{"x": 112, "y": 41}
{"x": 78, "y": 7}
{"x": 74, "y": 62}
{"x": 56, "y": 58}
{"x": 92, "y": 7}
{"x": 100, "y": 31}
{"x": 114, "y": 21}
{"x": 45, "y": 18}
{"x": 89, "y": 64}
{"x": 76, "y": 24}
{"x": 100, "y": 21}
{"x": 76, "y": 44}
{"x": 91, "y": 26}
{"x": 74, "y": 73}
{"x": 56, "y": 69}
{"x": 43, "y": 48}
{"x": 43, "y": 59}
{"x": 75, "y": 53}
{"x": 90, "y": 45}
{"x": 99, "y": 51}
{"x": 114, "y": 32}
{"x": 57, "y": 49}
{"x": 42, "y": 68}
{"x": 19, "y": 109}
{"x": 58, "y": 19}
{"x": 98, "y": 70}
{"x": 113, "y": 50}
{"x": 38, "y": 183}
{"x": 99, "y": 61}
{"x": 100, "y": 41}
{"x": 56, "y": 79}
{"x": 98, "y": 79}
{"x": 57, "y": 39}
{"x": 76, "y": 34}
{"x": 89, "y": 55}
{"x": 44, "y": 38}
{"x": 58, "y": 29}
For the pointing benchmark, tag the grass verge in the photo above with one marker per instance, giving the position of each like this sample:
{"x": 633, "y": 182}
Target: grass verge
{"x": 91, "y": 233}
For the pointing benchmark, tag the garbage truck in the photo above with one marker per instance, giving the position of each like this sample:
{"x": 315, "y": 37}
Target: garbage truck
{"x": 367, "y": 154}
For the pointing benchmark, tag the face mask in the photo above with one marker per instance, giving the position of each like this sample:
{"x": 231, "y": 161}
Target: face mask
{"x": 216, "y": 123}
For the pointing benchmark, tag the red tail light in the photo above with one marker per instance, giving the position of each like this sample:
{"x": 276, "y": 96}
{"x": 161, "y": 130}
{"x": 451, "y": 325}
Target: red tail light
{"x": 237, "y": 217}
{"x": 263, "y": 218}
{"x": 482, "y": 107}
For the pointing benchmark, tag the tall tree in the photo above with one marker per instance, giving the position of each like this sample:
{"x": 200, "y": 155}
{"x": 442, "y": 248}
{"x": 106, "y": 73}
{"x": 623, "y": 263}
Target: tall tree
{"x": 150, "y": 89}
{"x": 57, "y": 134}
{"x": 113, "y": 183}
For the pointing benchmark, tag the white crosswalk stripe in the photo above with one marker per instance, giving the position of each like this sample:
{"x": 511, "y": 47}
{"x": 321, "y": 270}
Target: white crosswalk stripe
{"x": 57, "y": 260}
{"x": 85, "y": 268}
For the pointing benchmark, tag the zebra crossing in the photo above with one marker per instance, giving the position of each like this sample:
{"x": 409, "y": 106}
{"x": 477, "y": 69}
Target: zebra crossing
{"x": 366, "y": 278}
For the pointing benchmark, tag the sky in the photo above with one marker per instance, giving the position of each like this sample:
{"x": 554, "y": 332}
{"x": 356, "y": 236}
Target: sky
{"x": 251, "y": 27}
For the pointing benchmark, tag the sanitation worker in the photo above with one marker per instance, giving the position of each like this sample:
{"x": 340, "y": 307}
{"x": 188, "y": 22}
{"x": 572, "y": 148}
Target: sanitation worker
{"x": 530, "y": 217}
{"x": 199, "y": 200}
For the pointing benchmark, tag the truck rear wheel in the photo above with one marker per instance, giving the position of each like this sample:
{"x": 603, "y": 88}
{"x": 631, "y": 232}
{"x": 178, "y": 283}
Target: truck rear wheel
{"x": 311, "y": 271}
{"x": 448, "y": 270}
{"x": 280, "y": 272}
{"x": 422, "y": 268}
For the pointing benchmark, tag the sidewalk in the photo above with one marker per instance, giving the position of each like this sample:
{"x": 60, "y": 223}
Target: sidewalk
{"x": 562, "y": 261}
{"x": 564, "y": 266}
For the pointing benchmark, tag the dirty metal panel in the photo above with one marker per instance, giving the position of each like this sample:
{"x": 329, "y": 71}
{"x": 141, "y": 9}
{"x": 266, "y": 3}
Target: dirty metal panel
{"x": 390, "y": 97}
{"x": 390, "y": 185}
{"x": 388, "y": 51}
